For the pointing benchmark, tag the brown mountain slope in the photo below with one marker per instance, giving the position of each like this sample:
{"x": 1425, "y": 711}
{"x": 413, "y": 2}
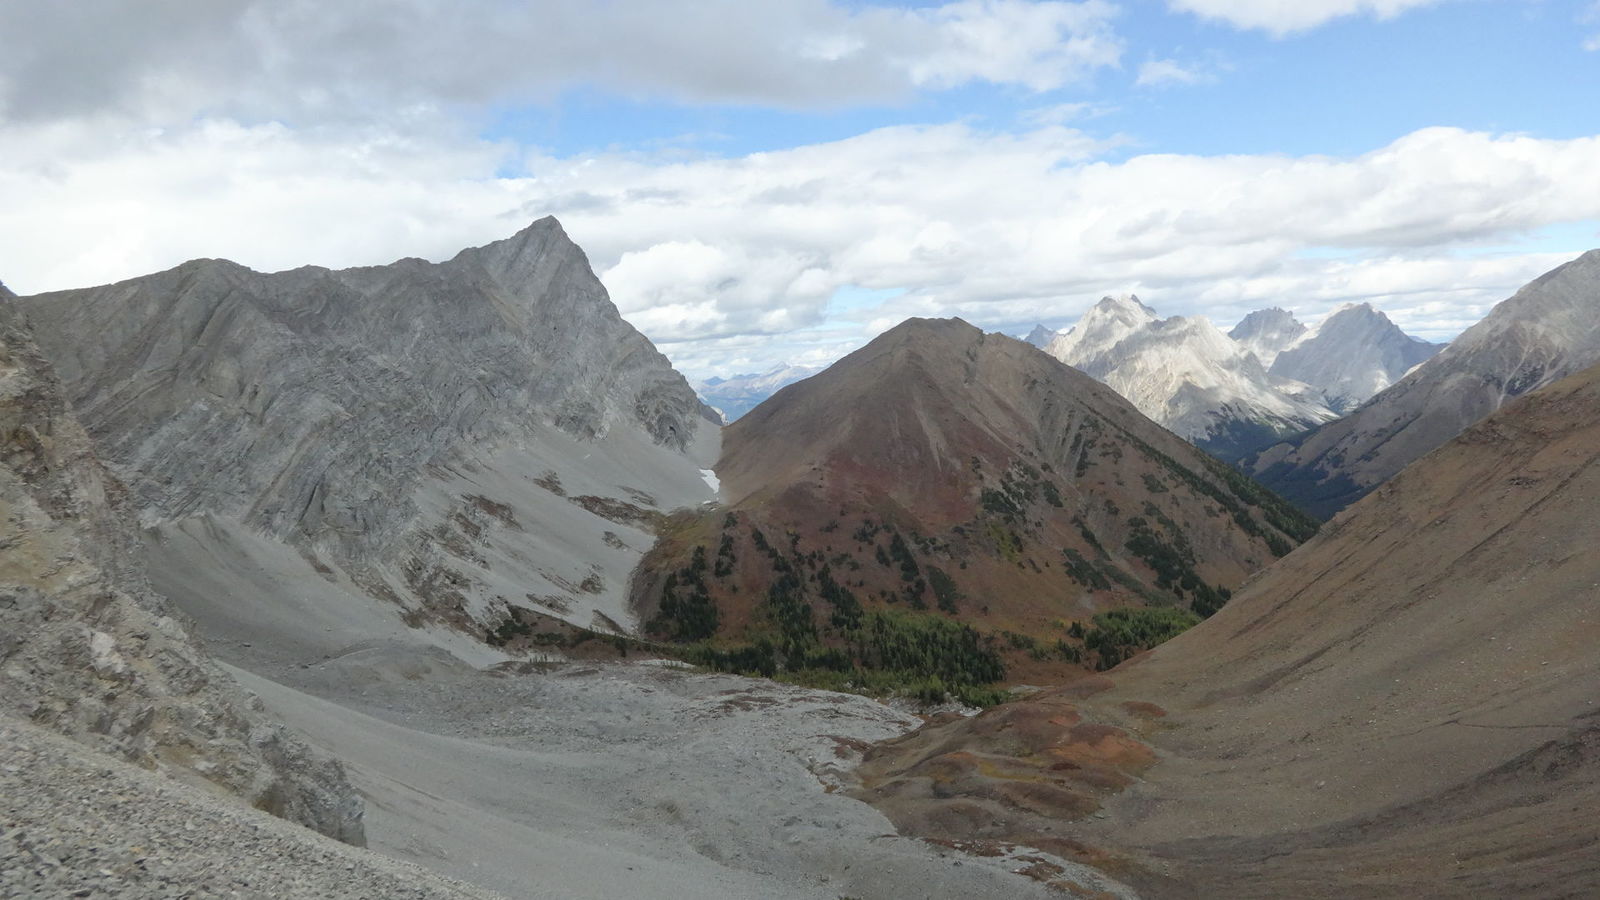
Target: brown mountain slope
{"x": 1407, "y": 705}
{"x": 942, "y": 468}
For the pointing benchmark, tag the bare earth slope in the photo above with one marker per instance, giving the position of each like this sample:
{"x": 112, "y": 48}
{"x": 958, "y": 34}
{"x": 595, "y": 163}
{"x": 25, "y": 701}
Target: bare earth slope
{"x": 940, "y": 468}
{"x": 89, "y": 650}
{"x": 1405, "y": 706}
{"x": 1548, "y": 330}
{"x": 453, "y": 439}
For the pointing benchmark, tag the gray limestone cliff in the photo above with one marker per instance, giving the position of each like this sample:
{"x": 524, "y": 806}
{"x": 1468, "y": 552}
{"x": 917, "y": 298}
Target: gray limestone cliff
{"x": 352, "y": 415}
{"x": 88, "y": 649}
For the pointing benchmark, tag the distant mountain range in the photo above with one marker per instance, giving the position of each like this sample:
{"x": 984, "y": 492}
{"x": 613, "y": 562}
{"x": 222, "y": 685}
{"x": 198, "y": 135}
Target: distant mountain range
{"x": 1269, "y": 378}
{"x": 735, "y": 396}
{"x": 1188, "y": 376}
{"x": 1350, "y": 356}
{"x": 1549, "y": 329}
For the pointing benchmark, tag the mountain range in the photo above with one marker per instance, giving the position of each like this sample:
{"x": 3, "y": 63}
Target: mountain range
{"x": 1189, "y": 377}
{"x": 1544, "y": 332}
{"x": 940, "y": 468}
{"x": 1270, "y": 377}
{"x": 735, "y": 396}
{"x": 379, "y": 550}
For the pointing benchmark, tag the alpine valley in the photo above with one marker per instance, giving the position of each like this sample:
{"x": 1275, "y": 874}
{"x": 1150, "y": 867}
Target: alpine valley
{"x": 444, "y": 560}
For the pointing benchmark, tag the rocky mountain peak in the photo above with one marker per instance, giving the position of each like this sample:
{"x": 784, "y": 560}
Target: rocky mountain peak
{"x": 1040, "y": 336}
{"x": 322, "y": 407}
{"x": 1267, "y": 332}
{"x": 1187, "y": 375}
{"x": 1351, "y": 355}
{"x": 1106, "y": 323}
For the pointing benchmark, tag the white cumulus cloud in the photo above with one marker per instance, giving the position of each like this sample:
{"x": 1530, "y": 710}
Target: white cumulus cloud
{"x": 1282, "y": 17}
{"x": 741, "y": 262}
{"x": 1161, "y": 72}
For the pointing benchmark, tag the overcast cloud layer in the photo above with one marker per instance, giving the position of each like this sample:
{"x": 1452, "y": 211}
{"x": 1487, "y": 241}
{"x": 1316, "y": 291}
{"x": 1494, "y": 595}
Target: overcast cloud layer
{"x": 311, "y": 61}
{"x": 279, "y": 134}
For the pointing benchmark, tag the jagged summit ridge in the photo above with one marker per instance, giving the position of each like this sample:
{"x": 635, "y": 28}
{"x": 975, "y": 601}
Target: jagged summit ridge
{"x": 1040, "y": 336}
{"x": 325, "y": 408}
{"x": 1351, "y": 355}
{"x": 1268, "y": 332}
{"x": 1188, "y": 376}
{"x": 468, "y": 348}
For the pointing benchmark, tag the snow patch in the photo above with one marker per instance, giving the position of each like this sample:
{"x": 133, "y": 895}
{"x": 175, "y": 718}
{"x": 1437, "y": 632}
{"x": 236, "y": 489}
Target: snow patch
{"x": 712, "y": 480}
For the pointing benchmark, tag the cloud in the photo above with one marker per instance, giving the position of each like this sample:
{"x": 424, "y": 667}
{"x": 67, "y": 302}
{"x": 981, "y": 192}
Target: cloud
{"x": 1591, "y": 16}
{"x": 1164, "y": 72}
{"x": 1281, "y": 17}
{"x": 309, "y": 61}
{"x": 736, "y": 262}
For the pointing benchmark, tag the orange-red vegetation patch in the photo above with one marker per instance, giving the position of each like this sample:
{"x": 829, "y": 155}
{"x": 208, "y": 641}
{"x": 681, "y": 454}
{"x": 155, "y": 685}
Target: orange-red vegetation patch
{"x": 1144, "y": 710}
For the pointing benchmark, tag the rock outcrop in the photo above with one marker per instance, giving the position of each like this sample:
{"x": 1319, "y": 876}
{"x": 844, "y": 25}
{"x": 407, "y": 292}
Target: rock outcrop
{"x": 89, "y": 650}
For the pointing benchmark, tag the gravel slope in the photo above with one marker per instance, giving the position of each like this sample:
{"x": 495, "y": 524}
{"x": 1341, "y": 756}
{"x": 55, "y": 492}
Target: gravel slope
{"x": 77, "y": 823}
{"x": 625, "y": 780}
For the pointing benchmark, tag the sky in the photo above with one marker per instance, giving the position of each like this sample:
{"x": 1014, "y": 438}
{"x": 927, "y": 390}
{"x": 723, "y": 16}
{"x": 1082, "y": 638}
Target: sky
{"x": 779, "y": 181}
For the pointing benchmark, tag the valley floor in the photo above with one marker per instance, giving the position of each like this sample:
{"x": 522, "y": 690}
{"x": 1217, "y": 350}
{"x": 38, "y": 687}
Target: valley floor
{"x": 624, "y": 780}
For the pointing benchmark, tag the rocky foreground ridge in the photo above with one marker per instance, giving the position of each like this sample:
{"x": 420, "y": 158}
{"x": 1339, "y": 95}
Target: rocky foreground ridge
{"x": 87, "y": 649}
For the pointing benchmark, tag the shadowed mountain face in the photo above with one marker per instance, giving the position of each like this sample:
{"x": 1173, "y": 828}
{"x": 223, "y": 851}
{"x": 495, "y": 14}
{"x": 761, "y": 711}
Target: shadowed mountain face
{"x": 940, "y": 468}
{"x": 1548, "y": 330}
{"x": 456, "y": 437}
{"x": 1405, "y": 706}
